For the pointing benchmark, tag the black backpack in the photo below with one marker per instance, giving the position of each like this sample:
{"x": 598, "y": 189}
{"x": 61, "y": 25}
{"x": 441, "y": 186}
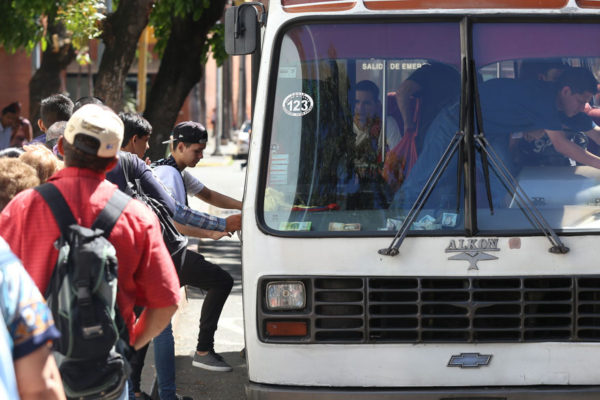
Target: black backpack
{"x": 82, "y": 297}
{"x": 176, "y": 242}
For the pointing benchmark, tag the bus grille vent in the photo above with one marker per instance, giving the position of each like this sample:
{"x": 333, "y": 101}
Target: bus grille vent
{"x": 339, "y": 306}
{"x": 503, "y": 309}
{"x": 446, "y": 310}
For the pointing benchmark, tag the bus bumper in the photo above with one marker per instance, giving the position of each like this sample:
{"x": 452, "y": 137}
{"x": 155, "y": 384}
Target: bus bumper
{"x": 256, "y": 391}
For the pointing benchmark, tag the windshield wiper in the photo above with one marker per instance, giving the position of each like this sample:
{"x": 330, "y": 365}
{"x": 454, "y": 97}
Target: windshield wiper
{"x": 525, "y": 204}
{"x": 456, "y": 144}
{"x": 487, "y": 153}
{"x": 419, "y": 203}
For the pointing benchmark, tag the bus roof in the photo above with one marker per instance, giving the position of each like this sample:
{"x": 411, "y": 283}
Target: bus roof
{"x": 296, "y": 6}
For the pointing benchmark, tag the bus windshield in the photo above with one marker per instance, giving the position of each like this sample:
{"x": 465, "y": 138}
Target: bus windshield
{"x": 531, "y": 121}
{"x": 362, "y": 112}
{"x": 335, "y": 163}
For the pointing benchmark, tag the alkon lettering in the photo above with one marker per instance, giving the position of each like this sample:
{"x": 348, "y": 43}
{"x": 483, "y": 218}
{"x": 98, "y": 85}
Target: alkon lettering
{"x": 472, "y": 250}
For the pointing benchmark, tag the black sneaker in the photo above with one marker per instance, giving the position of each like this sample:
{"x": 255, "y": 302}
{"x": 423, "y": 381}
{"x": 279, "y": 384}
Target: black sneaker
{"x": 211, "y": 361}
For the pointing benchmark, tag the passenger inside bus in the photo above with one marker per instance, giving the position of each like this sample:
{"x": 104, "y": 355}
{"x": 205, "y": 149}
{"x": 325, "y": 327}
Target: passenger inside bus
{"x": 509, "y": 106}
{"x": 365, "y": 188}
{"x": 534, "y": 148}
{"x": 419, "y": 99}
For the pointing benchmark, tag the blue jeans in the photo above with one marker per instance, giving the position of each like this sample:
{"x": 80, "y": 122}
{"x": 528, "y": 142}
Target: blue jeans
{"x": 437, "y": 138}
{"x": 125, "y": 394}
{"x": 164, "y": 358}
{"x": 440, "y": 133}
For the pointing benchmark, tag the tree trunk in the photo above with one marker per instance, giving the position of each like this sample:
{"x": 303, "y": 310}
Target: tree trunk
{"x": 46, "y": 80}
{"x": 180, "y": 69}
{"x": 120, "y": 35}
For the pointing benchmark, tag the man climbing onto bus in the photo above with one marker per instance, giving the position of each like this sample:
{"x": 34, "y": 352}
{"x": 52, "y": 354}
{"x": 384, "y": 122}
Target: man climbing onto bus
{"x": 188, "y": 143}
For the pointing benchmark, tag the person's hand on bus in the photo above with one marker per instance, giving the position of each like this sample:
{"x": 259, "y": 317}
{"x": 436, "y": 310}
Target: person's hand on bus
{"x": 216, "y": 235}
{"x": 233, "y": 223}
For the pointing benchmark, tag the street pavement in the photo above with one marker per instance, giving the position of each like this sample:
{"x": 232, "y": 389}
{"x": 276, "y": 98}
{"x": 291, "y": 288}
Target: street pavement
{"x": 224, "y": 174}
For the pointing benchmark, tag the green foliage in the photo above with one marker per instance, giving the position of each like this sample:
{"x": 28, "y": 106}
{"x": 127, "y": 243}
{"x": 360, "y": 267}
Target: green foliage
{"x": 162, "y": 18}
{"x": 24, "y": 23}
{"x": 82, "y": 21}
{"x": 216, "y": 44}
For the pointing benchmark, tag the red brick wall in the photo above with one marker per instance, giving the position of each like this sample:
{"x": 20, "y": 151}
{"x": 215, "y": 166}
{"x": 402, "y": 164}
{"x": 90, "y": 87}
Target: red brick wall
{"x": 15, "y": 73}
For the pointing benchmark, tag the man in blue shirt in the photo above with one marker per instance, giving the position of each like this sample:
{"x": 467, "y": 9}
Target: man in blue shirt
{"x": 135, "y": 141}
{"x": 509, "y": 106}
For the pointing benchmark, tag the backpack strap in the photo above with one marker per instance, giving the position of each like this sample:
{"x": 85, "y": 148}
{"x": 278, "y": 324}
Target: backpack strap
{"x": 58, "y": 205}
{"x": 125, "y": 164}
{"x": 106, "y": 220}
{"x": 108, "y": 217}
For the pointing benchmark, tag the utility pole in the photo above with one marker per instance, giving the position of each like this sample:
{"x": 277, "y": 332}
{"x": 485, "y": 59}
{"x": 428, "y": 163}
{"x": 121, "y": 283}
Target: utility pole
{"x": 219, "y": 128}
{"x": 241, "y": 103}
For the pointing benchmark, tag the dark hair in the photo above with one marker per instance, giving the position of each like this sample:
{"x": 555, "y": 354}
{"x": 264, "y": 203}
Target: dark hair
{"x": 53, "y": 132}
{"x": 134, "y": 124}
{"x": 80, "y": 159}
{"x": 532, "y": 68}
{"x": 56, "y": 107}
{"x": 579, "y": 79}
{"x": 82, "y": 101}
{"x": 14, "y": 107}
{"x": 368, "y": 86}
{"x": 11, "y": 152}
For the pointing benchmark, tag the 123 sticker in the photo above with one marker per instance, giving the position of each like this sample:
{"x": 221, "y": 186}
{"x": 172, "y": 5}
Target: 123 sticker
{"x": 297, "y": 104}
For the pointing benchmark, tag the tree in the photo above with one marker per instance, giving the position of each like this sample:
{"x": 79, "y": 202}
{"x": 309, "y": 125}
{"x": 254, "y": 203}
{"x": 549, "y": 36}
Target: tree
{"x": 62, "y": 28}
{"x": 121, "y": 32}
{"x": 182, "y": 28}
{"x": 46, "y": 80}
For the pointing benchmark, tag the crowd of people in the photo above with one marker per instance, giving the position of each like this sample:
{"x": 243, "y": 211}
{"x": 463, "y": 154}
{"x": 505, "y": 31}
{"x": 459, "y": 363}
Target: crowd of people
{"x": 87, "y": 151}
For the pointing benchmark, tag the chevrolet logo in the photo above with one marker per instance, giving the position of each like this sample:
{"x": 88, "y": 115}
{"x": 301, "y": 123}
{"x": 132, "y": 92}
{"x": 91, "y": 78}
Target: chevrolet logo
{"x": 469, "y": 360}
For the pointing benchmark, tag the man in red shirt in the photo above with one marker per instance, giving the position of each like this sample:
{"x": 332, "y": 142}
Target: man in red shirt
{"x": 146, "y": 274}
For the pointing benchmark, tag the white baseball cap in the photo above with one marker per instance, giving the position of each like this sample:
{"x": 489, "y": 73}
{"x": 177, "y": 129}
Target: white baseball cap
{"x": 99, "y": 122}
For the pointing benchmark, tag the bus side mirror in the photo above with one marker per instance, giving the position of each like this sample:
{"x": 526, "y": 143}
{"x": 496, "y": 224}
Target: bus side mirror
{"x": 242, "y": 29}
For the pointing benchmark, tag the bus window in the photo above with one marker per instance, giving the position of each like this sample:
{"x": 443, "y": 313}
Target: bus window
{"x": 521, "y": 101}
{"x": 348, "y": 103}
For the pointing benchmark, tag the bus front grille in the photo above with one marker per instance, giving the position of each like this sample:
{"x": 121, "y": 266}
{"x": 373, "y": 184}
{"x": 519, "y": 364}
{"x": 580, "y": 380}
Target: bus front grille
{"x": 455, "y": 309}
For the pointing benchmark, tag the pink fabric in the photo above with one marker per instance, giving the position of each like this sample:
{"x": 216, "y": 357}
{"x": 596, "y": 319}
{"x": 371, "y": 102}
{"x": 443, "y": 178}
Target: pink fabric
{"x": 403, "y": 156}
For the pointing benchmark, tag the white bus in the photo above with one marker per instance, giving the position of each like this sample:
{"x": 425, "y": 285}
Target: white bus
{"x": 422, "y": 201}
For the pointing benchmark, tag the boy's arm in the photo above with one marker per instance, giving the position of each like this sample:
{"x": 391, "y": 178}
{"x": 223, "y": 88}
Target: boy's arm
{"x": 571, "y": 150}
{"x": 189, "y": 230}
{"x": 37, "y": 376}
{"x": 594, "y": 134}
{"x": 151, "y": 322}
{"x": 218, "y": 199}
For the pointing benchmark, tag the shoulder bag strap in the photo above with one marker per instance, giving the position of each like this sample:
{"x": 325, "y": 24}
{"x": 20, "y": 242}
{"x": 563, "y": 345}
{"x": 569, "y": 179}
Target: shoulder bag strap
{"x": 125, "y": 164}
{"x": 108, "y": 217}
{"x": 58, "y": 205}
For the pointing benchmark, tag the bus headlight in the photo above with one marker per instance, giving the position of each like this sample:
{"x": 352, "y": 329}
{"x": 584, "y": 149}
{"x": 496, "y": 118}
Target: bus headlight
{"x": 282, "y": 295}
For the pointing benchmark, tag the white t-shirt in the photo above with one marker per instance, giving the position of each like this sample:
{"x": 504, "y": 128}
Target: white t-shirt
{"x": 192, "y": 185}
{"x": 392, "y": 133}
